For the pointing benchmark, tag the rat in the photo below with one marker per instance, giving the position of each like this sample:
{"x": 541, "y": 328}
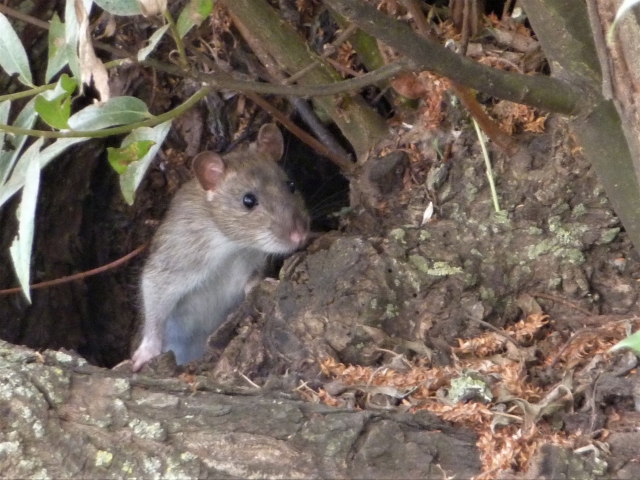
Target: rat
{"x": 213, "y": 245}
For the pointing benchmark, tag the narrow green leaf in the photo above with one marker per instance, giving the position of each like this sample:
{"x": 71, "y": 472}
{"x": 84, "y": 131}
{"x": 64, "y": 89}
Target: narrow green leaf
{"x": 5, "y": 108}
{"x": 57, "y": 52}
{"x": 130, "y": 180}
{"x": 192, "y": 15}
{"x": 116, "y": 111}
{"x": 13, "y": 58}
{"x": 12, "y": 145}
{"x": 121, "y": 7}
{"x": 632, "y": 342}
{"x": 72, "y": 35}
{"x": 121, "y": 158}
{"x": 143, "y": 53}
{"x": 18, "y": 176}
{"x": 22, "y": 245}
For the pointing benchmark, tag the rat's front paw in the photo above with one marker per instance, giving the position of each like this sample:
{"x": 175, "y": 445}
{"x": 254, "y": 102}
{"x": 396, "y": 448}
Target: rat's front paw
{"x": 145, "y": 352}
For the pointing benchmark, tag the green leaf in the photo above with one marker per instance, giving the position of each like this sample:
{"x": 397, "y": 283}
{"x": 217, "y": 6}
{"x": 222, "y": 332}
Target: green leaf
{"x": 57, "y": 52}
{"x": 153, "y": 41}
{"x": 19, "y": 174}
{"x": 130, "y": 180}
{"x": 12, "y": 145}
{"x": 55, "y": 112}
{"x": 116, "y": 111}
{"x": 22, "y": 245}
{"x": 72, "y": 35}
{"x": 121, "y": 158}
{"x": 54, "y": 106}
{"x": 65, "y": 87}
{"x": 121, "y": 7}
{"x": 68, "y": 84}
{"x": 632, "y": 342}
{"x": 13, "y": 58}
{"x": 5, "y": 108}
{"x": 192, "y": 15}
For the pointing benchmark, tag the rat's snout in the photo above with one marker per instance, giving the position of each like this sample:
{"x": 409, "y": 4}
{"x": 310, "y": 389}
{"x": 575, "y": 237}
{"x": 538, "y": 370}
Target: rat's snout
{"x": 298, "y": 236}
{"x": 299, "y": 230}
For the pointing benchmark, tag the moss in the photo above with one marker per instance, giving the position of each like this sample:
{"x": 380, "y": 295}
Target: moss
{"x": 554, "y": 283}
{"x": 398, "y": 234}
{"x": 579, "y": 210}
{"x": 420, "y": 262}
{"x": 443, "y": 269}
{"x": 103, "y": 458}
{"x": 148, "y": 430}
{"x": 608, "y": 236}
{"x": 391, "y": 311}
{"x": 541, "y": 248}
{"x": 572, "y": 255}
{"x": 63, "y": 358}
{"x": 501, "y": 217}
{"x": 467, "y": 387}
{"x": 487, "y": 294}
{"x": 127, "y": 468}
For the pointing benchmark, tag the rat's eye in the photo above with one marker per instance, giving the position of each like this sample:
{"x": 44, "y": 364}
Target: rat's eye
{"x": 292, "y": 186}
{"x": 250, "y": 200}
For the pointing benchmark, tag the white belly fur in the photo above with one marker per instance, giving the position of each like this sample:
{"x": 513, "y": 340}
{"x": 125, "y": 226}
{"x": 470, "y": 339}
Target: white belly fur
{"x": 204, "y": 308}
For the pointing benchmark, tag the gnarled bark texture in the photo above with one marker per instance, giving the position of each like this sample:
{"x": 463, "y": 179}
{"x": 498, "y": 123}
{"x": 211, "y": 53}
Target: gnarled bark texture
{"x": 61, "y": 418}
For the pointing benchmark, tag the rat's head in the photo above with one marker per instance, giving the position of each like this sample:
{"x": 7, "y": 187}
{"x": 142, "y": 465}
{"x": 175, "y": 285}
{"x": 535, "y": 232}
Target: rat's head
{"x": 252, "y": 201}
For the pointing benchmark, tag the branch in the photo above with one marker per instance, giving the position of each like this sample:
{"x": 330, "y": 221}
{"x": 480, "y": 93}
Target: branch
{"x": 325, "y": 90}
{"x": 537, "y": 91}
{"x": 78, "y": 276}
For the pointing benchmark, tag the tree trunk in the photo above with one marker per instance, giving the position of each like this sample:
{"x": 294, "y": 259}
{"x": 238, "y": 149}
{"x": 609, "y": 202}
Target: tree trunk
{"x": 65, "y": 419}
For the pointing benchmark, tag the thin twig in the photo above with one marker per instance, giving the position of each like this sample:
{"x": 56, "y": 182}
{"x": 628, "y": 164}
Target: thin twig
{"x": 326, "y": 90}
{"x": 466, "y": 27}
{"x": 176, "y": 38}
{"x": 11, "y": 12}
{"x": 502, "y": 140}
{"x": 328, "y": 51}
{"x": 563, "y": 301}
{"x": 384, "y": 73}
{"x": 487, "y": 162}
{"x": 341, "y": 68}
{"x": 275, "y": 75}
{"x": 505, "y": 10}
{"x": 495, "y": 330}
{"x": 341, "y": 161}
{"x": 78, "y": 276}
{"x": 601, "y": 49}
{"x": 582, "y": 331}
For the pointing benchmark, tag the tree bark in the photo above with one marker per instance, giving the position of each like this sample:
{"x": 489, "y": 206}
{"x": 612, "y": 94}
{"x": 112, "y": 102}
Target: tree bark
{"x": 62, "y": 418}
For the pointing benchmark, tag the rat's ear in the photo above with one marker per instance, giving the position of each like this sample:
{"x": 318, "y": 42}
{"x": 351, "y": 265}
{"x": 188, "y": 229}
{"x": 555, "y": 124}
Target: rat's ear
{"x": 270, "y": 141}
{"x": 208, "y": 168}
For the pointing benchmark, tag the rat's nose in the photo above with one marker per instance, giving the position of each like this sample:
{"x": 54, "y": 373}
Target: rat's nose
{"x": 298, "y": 236}
{"x": 299, "y": 231}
